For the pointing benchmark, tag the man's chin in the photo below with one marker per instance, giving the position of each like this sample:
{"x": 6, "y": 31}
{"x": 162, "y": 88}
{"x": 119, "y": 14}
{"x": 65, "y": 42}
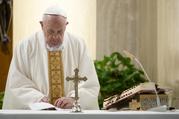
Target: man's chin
{"x": 53, "y": 47}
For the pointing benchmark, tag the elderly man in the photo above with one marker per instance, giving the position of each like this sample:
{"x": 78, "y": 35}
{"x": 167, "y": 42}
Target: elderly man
{"x": 41, "y": 63}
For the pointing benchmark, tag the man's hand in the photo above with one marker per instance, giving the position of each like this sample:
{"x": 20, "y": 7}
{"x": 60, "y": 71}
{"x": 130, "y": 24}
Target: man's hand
{"x": 64, "y": 102}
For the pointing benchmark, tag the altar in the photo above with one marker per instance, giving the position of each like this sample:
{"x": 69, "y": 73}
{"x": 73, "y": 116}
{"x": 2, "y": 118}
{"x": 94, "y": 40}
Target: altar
{"x": 87, "y": 114}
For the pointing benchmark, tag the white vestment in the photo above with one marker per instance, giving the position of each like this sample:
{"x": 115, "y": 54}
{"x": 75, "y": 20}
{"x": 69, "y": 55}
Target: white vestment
{"x": 28, "y": 74}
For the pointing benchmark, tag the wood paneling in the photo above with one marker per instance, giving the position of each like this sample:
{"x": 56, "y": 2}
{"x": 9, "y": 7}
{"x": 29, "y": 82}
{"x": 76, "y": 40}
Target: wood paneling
{"x": 146, "y": 36}
{"x": 128, "y": 25}
{"x": 5, "y": 59}
{"x": 116, "y": 26}
{"x": 168, "y": 44}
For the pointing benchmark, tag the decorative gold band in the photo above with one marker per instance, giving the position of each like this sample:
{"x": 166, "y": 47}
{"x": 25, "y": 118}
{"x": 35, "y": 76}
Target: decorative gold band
{"x": 56, "y": 75}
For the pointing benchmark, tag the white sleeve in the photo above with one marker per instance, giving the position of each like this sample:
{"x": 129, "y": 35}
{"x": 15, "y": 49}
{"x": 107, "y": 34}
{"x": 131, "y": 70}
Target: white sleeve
{"x": 20, "y": 89}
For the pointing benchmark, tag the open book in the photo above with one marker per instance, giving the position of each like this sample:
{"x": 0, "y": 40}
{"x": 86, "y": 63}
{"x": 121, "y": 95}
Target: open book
{"x": 127, "y": 95}
{"x": 43, "y": 106}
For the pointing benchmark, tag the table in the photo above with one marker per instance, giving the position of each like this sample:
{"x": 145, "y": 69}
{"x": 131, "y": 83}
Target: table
{"x": 87, "y": 114}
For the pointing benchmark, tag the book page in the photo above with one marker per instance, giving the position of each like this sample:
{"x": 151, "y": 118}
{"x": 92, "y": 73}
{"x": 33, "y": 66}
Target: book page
{"x": 43, "y": 106}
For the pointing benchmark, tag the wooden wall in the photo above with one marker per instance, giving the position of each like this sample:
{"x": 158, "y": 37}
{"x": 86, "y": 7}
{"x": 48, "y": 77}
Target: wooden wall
{"x": 5, "y": 59}
{"x": 128, "y": 25}
{"x": 168, "y": 44}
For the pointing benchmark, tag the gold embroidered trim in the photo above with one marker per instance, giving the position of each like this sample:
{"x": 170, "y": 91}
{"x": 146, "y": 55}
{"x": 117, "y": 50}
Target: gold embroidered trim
{"x": 56, "y": 75}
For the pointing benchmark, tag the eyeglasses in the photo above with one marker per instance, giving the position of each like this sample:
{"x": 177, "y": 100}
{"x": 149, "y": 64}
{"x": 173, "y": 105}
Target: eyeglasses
{"x": 54, "y": 33}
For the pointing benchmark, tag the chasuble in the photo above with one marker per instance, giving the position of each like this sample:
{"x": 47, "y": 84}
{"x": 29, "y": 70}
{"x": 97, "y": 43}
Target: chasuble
{"x": 28, "y": 79}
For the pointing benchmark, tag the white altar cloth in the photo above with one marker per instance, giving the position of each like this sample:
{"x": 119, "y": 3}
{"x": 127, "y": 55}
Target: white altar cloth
{"x": 87, "y": 114}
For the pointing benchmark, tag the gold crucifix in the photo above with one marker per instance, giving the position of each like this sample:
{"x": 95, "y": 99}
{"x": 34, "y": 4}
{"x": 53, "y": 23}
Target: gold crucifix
{"x": 76, "y": 79}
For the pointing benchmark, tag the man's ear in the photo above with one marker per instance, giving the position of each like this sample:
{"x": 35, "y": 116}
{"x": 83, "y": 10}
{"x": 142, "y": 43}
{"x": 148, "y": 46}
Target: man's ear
{"x": 67, "y": 23}
{"x": 41, "y": 23}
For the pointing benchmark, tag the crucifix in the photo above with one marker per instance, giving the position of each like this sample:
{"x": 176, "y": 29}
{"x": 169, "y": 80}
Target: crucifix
{"x": 76, "y": 79}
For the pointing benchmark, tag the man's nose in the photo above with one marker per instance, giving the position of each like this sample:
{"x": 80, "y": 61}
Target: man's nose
{"x": 55, "y": 36}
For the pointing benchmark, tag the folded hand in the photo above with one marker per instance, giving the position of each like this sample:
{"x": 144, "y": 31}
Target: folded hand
{"x": 64, "y": 102}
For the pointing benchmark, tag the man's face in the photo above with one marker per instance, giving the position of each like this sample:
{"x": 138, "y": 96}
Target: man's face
{"x": 54, "y": 27}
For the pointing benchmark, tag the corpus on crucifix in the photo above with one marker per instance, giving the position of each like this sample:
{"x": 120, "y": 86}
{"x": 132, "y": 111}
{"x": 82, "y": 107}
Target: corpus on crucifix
{"x": 76, "y": 79}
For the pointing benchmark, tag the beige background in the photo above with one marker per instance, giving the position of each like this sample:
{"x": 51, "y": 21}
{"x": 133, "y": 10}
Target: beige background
{"x": 128, "y": 25}
{"x": 168, "y": 44}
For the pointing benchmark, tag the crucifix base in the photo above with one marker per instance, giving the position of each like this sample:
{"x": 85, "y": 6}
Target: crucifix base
{"x": 76, "y": 107}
